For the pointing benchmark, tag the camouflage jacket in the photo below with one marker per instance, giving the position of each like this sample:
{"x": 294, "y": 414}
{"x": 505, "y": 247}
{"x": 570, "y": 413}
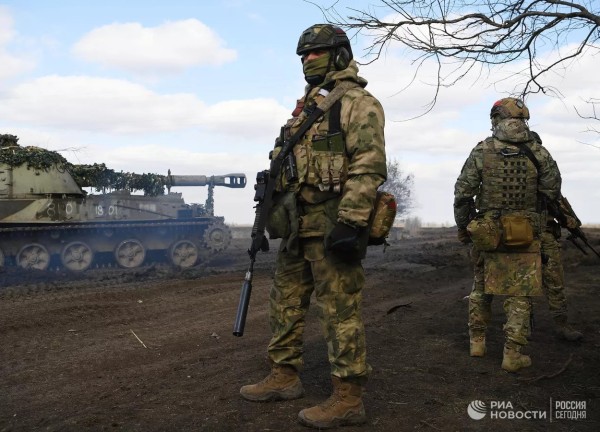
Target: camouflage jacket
{"x": 513, "y": 133}
{"x": 352, "y": 174}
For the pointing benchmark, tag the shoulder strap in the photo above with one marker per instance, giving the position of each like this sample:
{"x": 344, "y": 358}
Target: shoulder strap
{"x": 325, "y": 105}
{"x": 335, "y": 114}
{"x": 523, "y": 148}
{"x": 527, "y": 151}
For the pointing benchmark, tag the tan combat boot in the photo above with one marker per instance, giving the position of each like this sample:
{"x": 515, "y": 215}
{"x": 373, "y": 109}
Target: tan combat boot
{"x": 513, "y": 360}
{"x": 344, "y": 407}
{"x": 477, "y": 345}
{"x": 283, "y": 383}
{"x": 564, "y": 330}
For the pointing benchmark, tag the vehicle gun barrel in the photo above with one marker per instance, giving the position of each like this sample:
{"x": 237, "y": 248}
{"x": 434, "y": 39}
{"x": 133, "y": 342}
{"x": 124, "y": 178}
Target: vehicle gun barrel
{"x": 226, "y": 180}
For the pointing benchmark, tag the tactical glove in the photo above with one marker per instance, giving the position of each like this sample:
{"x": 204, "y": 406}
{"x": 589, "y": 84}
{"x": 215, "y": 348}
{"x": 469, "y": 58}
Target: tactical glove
{"x": 259, "y": 244}
{"x": 463, "y": 236}
{"x": 344, "y": 241}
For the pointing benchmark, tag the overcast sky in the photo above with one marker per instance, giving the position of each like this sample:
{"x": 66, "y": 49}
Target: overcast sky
{"x": 203, "y": 87}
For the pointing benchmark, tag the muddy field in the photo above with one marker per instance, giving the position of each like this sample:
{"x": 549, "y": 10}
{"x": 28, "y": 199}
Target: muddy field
{"x": 153, "y": 350}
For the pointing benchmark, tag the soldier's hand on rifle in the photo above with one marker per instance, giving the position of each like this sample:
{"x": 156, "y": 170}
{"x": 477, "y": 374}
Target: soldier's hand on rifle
{"x": 571, "y": 222}
{"x": 259, "y": 244}
{"x": 463, "y": 236}
{"x": 344, "y": 241}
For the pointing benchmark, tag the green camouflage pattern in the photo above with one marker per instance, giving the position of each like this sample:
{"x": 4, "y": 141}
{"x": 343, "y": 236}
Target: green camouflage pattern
{"x": 351, "y": 172}
{"x": 468, "y": 183}
{"x": 337, "y": 286}
{"x": 516, "y": 328}
{"x": 509, "y": 108}
{"x": 480, "y": 303}
{"x": 510, "y": 182}
{"x": 512, "y": 130}
{"x": 338, "y": 177}
{"x": 516, "y": 308}
{"x": 321, "y": 36}
{"x": 513, "y": 273}
{"x": 553, "y": 279}
{"x": 467, "y": 197}
{"x": 485, "y": 232}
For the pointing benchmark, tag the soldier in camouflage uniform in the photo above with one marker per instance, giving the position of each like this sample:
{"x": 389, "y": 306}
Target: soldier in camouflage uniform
{"x": 553, "y": 275}
{"x": 325, "y": 197}
{"x": 511, "y": 176}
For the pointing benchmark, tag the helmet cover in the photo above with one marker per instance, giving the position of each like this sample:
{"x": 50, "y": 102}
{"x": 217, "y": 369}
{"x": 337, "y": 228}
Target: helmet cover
{"x": 509, "y": 108}
{"x": 322, "y": 36}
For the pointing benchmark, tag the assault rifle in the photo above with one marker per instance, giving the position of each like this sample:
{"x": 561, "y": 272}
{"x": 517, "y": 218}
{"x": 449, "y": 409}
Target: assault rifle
{"x": 265, "y": 185}
{"x": 563, "y": 212}
{"x": 265, "y": 188}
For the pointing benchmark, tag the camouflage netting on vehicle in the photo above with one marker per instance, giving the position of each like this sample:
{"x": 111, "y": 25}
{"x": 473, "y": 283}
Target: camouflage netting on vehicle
{"x": 97, "y": 176}
{"x": 100, "y": 177}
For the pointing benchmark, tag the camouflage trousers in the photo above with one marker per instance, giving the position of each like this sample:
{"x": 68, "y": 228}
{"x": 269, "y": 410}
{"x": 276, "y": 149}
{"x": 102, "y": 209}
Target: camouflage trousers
{"x": 338, "y": 296}
{"x": 552, "y": 275}
{"x": 516, "y": 308}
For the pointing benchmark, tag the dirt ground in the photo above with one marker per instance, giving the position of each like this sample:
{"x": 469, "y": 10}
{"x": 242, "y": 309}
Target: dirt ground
{"x": 153, "y": 350}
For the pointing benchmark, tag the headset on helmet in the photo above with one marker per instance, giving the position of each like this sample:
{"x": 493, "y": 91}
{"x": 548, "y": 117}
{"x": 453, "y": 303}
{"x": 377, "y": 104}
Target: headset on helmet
{"x": 327, "y": 37}
{"x": 509, "y": 108}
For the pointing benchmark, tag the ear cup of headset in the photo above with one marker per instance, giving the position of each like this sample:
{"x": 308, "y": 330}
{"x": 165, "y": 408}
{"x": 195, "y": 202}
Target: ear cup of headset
{"x": 341, "y": 58}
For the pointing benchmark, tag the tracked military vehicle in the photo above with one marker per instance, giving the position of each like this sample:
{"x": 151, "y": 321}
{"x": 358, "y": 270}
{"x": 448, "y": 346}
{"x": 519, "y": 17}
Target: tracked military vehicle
{"x": 46, "y": 216}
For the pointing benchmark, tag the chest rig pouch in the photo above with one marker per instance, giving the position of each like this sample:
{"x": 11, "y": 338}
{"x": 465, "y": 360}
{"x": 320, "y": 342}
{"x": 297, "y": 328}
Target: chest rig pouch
{"x": 509, "y": 186}
{"x": 284, "y": 219}
{"x": 328, "y": 166}
{"x": 517, "y": 231}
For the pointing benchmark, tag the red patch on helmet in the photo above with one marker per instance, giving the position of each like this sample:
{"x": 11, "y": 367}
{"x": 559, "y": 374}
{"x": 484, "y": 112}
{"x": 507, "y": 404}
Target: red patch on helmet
{"x": 498, "y": 103}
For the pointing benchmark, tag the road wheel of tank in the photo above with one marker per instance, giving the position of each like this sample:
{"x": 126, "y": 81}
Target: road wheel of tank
{"x": 130, "y": 253}
{"x": 183, "y": 254}
{"x": 77, "y": 256}
{"x": 217, "y": 237}
{"x": 33, "y": 256}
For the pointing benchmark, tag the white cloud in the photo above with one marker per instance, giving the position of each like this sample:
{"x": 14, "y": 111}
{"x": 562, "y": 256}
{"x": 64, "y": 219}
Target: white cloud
{"x": 435, "y": 146}
{"x": 253, "y": 117}
{"x": 133, "y": 128}
{"x": 10, "y": 64}
{"x": 85, "y": 103}
{"x": 118, "y": 106}
{"x": 167, "y": 48}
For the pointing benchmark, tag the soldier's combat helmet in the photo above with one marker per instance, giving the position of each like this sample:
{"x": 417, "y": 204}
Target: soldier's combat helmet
{"x": 509, "y": 108}
{"x": 330, "y": 38}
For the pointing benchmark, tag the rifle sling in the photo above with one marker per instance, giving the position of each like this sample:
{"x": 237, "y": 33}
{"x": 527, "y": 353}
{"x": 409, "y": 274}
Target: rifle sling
{"x": 527, "y": 151}
{"x": 326, "y": 104}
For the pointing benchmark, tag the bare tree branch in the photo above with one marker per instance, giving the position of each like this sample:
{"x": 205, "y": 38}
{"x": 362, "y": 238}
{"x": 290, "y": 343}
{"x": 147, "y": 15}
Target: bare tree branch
{"x": 460, "y": 35}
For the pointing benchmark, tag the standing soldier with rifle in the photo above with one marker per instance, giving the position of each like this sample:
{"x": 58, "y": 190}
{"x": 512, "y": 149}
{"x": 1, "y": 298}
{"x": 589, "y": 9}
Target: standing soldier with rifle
{"x": 318, "y": 195}
{"x": 559, "y": 216}
{"x": 500, "y": 204}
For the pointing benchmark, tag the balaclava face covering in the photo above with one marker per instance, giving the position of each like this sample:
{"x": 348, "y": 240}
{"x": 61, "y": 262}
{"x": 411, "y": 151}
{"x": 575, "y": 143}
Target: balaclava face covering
{"x": 316, "y": 69}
